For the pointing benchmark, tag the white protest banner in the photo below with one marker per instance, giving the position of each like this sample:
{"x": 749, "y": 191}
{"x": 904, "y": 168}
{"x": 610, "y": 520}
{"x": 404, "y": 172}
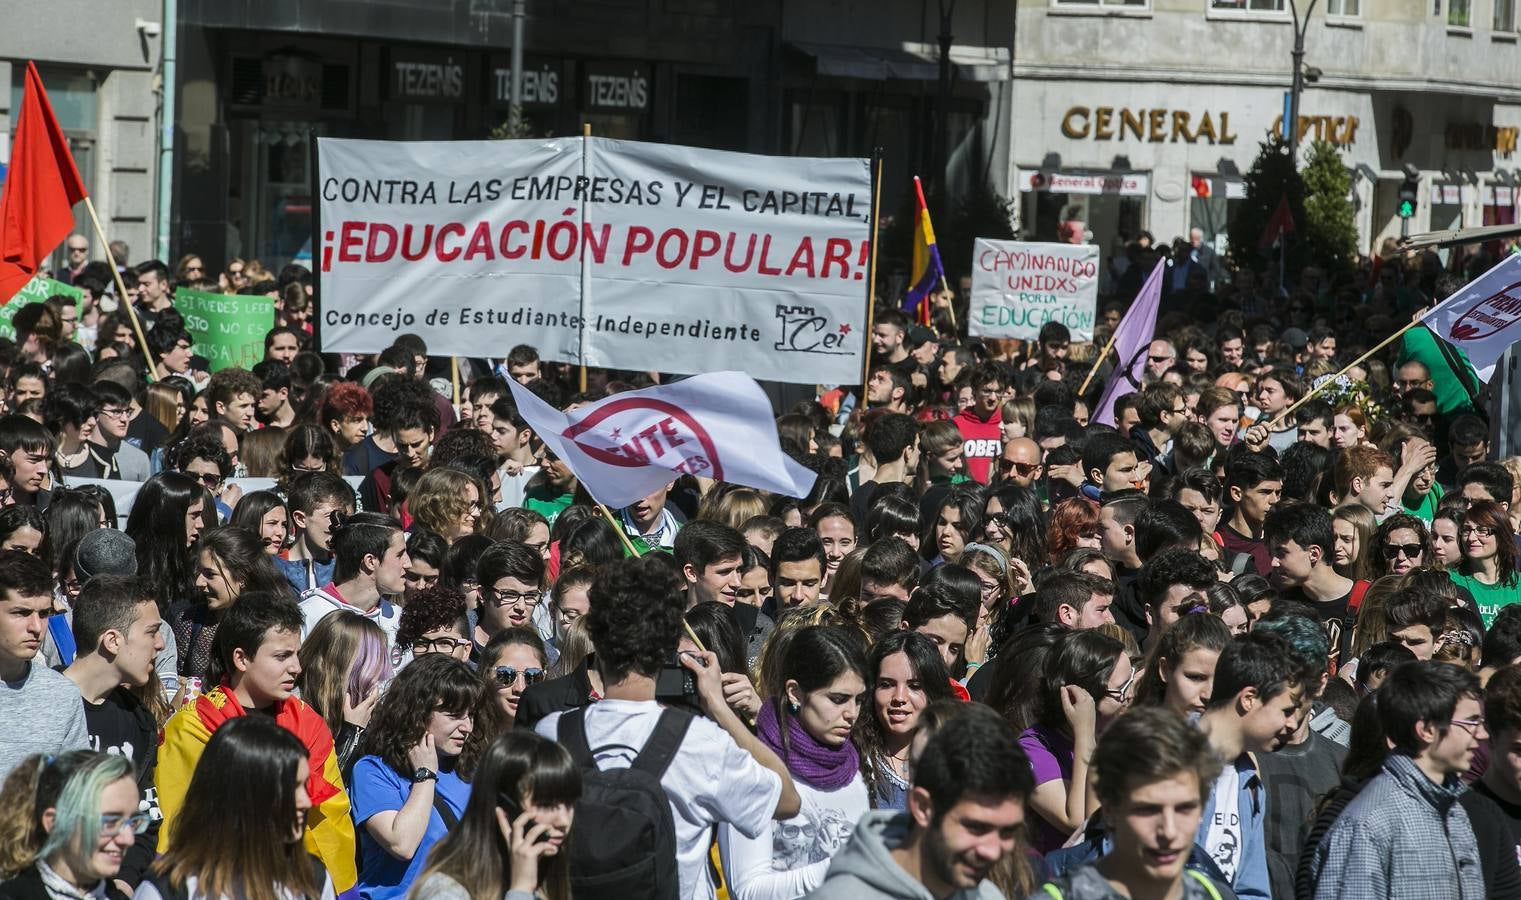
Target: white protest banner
{"x": 625, "y": 447}
{"x": 613, "y": 253}
{"x": 1483, "y": 319}
{"x": 1018, "y": 287}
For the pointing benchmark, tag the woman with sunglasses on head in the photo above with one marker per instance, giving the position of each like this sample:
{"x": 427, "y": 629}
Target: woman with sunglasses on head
{"x": 433, "y": 621}
{"x": 344, "y": 662}
{"x": 514, "y": 659}
{"x": 240, "y": 838}
{"x": 1401, "y": 545}
{"x": 510, "y": 842}
{"x": 1087, "y": 683}
{"x": 230, "y": 562}
{"x": 1488, "y": 568}
{"x": 408, "y": 789}
{"x": 83, "y": 816}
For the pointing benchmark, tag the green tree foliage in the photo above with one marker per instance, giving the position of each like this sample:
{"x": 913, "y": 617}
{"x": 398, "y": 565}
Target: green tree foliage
{"x": 1271, "y": 178}
{"x": 1330, "y": 228}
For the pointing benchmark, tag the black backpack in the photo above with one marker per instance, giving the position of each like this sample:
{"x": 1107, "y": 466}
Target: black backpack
{"x": 624, "y": 842}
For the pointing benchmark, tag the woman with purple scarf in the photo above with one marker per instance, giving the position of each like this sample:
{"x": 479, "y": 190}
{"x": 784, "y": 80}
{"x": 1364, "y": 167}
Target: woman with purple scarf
{"x": 809, "y": 727}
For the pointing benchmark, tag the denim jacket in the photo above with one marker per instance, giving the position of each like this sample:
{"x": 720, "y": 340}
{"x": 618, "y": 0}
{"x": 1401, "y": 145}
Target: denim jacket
{"x": 1252, "y": 879}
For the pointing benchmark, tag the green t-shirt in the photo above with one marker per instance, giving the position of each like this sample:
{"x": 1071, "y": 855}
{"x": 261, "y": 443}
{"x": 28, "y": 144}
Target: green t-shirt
{"x": 549, "y": 505}
{"x": 1426, "y": 509}
{"x": 1490, "y": 597}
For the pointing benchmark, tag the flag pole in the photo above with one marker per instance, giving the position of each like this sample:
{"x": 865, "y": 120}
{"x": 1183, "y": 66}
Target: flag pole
{"x": 629, "y": 546}
{"x": 585, "y": 262}
{"x": 1099, "y": 362}
{"x": 1351, "y": 365}
{"x": 454, "y": 380}
{"x": 121, "y": 288}
{"x": 950, "y": 306}
{"x": 871, "y": 270}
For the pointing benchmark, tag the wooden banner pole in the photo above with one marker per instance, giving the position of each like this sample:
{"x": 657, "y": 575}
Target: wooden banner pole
{"x": 871, "y": 270}
{"x": 121, "y": 293}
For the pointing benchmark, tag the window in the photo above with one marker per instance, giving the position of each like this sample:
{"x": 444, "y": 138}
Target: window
{"x": 1457, "y": 13}
{"x": 1250, "y": 5}
{"x": 1346, "y": 8}
{"x": 1505, "y": 15}
{"x": 1141, "y": 4}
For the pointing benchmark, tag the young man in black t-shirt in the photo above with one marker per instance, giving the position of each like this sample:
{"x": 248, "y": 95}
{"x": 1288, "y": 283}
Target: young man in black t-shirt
{"x": 1300, "y": 541}
{"x": 1502, "y": 714}
{"x": 116, "y": 630}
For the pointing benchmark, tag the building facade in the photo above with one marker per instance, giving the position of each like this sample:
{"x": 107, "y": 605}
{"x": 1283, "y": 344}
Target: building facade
{"x": 807, "y": 77}
{"x": 98, "y": 63}
{"x": 1145, "y": 114}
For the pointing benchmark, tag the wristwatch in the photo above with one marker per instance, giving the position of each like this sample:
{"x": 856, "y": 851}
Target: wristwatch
{"x": 422, "y": 775}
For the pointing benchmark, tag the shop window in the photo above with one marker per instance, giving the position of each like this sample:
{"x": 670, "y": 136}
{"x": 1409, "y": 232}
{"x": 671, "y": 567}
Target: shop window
{"x": 712, "y": 111}
{"x": 1505, "y": 15}
{"x": 1274, "y": 6}
{"x": 1457, "y": 13}
{"x": 72, "y": 95}
{"x": 1347, "y": 9}
{"x": 815, "y": 121}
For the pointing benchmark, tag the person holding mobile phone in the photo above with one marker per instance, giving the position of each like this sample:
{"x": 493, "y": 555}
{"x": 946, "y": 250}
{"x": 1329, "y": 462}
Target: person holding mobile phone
{"x": 510, "y": 838}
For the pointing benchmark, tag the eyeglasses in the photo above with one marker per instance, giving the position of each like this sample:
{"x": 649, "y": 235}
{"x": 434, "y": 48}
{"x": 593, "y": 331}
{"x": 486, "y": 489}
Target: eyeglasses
{"x": 1161, "y": 359}
{"x": 210, "y": 479}
{"x": 500, "y": 599}
{"x": 110, "y": 826}
{"x": 206, "y": 478}
{"x": 317, "y": 468}
{"x": 1471, "y": 726}
{"x": 437, "y": 645}
{"x": 419, "y": 579}
{"x": 1005, "y": 465}
{"x": 990, "y": 589}
{"x": 1476, "y": 531}
{"x": 79, "y": 249}
{"x": 1409, "y": 551}
{"x": 1122, "y": 695}
{"x": 506, "y": 676}
{"x": 189, "y": 269}
{"x": 114, "y": 412}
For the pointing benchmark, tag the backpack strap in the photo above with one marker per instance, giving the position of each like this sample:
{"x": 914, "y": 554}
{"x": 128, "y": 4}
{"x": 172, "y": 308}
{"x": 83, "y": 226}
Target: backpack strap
{"x": 451, "y": 821}
{"x": 1355, "y": 600}
{"x": 1053, "y": 890}
{"x": 1209, "y": 886}
{"x": 570, "y": 731}
{"x": 664, "y": 741}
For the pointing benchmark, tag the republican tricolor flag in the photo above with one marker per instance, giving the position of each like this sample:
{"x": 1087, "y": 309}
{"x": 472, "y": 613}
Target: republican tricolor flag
{"x": 928, "y": 271}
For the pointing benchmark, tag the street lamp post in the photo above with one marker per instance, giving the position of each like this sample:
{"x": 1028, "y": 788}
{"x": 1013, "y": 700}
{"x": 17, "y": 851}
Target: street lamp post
{"x": 1300, "y": 27}
{"x": 939, "y": 145}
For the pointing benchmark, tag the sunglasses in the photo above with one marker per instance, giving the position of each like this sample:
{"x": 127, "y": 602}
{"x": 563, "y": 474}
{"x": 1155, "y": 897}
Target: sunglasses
{"x": 1005, "y": 465}
{"x": 1409, "y": 551}
{"x": 210, "y": 479}
{"x": 506, "y": 676}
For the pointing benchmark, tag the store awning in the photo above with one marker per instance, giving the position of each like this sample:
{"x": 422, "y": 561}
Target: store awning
{"x": 911, "y": 61}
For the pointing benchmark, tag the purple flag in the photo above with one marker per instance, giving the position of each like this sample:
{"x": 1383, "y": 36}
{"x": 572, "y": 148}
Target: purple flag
{"x": 1133, "y": 337}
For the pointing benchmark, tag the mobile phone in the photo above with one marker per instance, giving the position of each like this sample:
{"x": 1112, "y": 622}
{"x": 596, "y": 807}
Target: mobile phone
{"x": 514, "y": 811}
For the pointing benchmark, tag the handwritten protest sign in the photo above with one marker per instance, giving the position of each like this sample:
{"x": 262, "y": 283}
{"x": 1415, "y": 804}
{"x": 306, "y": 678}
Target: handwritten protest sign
{"x": 35, "y": 291}
{"x": 228, "y": 329}
{"x": 613, "y": 253}
{"x": 1018, "y": 287}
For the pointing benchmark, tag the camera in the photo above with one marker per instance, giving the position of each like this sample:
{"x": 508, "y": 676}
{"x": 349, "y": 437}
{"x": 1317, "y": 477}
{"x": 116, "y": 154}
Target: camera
{"x": 675, "y": 683}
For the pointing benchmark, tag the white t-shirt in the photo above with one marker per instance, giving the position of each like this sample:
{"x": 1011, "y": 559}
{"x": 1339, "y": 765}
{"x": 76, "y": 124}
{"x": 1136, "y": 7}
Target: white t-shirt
{"x": 789, "y": 859}
{"x": 711, "y": 779}
{"x": 146, "y": 891}
{"x": 1223, "y": 839}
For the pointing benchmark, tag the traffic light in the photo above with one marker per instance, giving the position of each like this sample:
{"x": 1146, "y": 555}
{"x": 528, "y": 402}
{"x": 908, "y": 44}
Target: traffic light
{"x": 1407, "y": 199}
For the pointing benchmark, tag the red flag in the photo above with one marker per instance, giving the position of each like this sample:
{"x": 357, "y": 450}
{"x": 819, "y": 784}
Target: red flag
{"x": 1282, "y": 222}
{"x": 37, "y": 208}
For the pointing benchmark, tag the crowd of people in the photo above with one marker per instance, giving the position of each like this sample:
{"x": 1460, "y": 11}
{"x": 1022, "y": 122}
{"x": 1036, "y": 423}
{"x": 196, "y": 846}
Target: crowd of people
{"x": 1219, "y": 644}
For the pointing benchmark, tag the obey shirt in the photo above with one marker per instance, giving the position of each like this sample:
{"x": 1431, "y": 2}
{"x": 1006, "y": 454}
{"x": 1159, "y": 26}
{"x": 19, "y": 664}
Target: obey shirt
{"x": 982, "y": 442}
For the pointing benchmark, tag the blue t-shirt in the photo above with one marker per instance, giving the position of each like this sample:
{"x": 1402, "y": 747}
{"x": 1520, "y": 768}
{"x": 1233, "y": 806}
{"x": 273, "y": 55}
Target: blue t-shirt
{"x": 375, "y": 788}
